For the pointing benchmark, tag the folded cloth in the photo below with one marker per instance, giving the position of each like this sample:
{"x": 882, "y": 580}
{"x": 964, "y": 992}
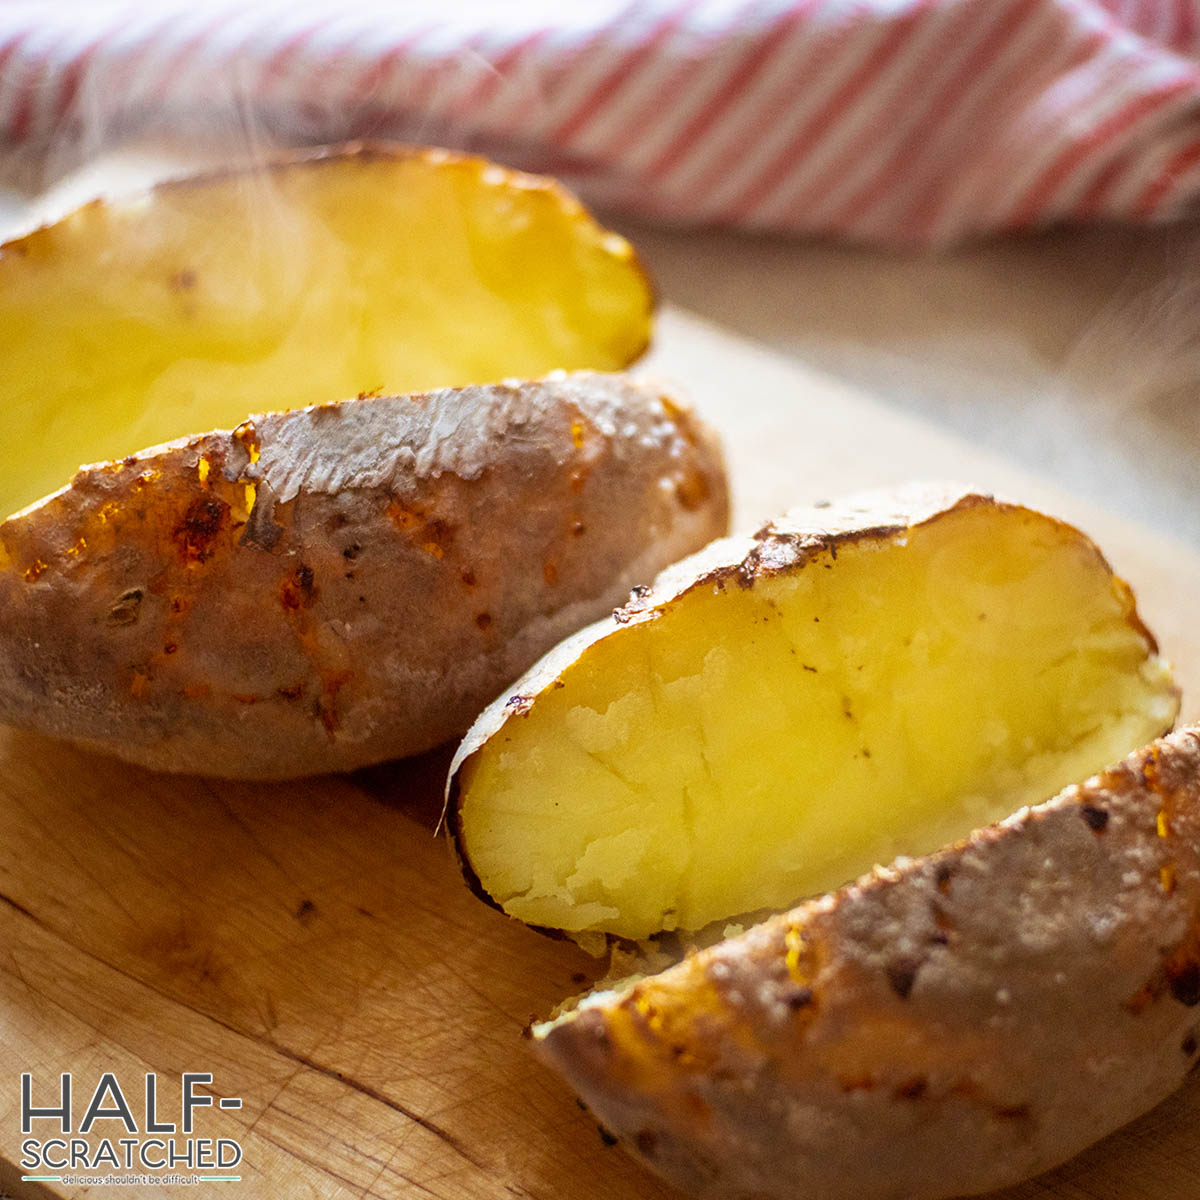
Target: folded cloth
{"x": 894, "y": 121}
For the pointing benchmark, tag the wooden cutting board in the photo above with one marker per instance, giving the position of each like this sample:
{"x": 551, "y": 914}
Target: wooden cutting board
{"x": 312, "y": 946}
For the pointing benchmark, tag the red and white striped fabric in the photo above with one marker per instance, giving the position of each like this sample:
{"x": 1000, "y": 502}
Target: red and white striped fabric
{"x": 896, "y": 121}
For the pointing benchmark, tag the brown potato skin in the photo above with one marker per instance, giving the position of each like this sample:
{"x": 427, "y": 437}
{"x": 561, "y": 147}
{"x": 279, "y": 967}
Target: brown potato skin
{"x": 398, "y": 561}
{"x": 942, "y": 1027}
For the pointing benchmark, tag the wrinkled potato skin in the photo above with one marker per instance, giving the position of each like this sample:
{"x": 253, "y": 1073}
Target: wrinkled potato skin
{"x": 942, "y": 1027}
{"x": 395, "y": 563}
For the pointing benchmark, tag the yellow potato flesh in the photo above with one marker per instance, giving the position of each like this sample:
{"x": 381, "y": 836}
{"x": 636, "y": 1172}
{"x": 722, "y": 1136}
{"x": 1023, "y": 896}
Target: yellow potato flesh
{"x": 750, "y": 747}
{"x": 135, "y": 322}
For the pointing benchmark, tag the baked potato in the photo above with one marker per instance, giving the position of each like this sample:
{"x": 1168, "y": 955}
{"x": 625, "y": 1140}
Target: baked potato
{"x": 345, "y": 582}
{"x": 325, "y": 588}
{"x": 783, "y": 711}
{"x": 362, "y": 268}
{"x": 942, "y": 1027}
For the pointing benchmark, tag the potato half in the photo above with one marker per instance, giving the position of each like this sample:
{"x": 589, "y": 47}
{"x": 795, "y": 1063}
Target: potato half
{"x": 783, "y": 711}
{"x": 942, "y": 1027}
{"x": 325, "y": 588}
{"x": 366, "y": 268}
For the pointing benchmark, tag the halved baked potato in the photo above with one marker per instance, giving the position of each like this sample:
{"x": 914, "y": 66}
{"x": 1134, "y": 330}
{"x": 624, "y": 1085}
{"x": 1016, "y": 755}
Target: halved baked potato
{"x": 782, "y": 711}
{"x": 942, "y": 1027}
{"x": 369, "y": 268}
{"x": 338, "y": 581}
{"x": 321, "y": 589}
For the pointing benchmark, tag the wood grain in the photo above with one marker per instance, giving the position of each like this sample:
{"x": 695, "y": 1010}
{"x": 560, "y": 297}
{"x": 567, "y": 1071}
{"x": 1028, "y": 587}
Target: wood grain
{"x": 313, "y": 946}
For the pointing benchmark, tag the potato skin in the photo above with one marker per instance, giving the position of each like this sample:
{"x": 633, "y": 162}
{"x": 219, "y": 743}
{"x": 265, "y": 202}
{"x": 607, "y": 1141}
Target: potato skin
{"x": 944, "y": 1026}
{"x": 334, "y": 586}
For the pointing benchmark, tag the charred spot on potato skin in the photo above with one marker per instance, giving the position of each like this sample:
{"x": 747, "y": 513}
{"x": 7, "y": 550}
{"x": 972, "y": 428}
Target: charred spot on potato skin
{"x": 292, "y": 692}
{"x": 352, "y": 551}
{"x": 798, "y": 997}
{"x": 1189, "y": 1046}
{"x": 607, "y": 1138}
{"x": 127, "y": 607}
{"x": 1096, "y": 818}
{"x": 913, "y": 1089}
{"x": 1012, "y": 1112}
{"x": 646, "y": 1141}
{"x": 199, "y": 527}
{"x": 901, "y": 975}
{"x": 1184, "y": 983}
{"x": 305, "y": 912}
{"x": 298, "y": 589}
{"x": 484, "y": 621}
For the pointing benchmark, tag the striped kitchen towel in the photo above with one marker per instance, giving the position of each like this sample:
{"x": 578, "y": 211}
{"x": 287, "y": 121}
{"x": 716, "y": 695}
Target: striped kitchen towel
{"x": 920, "y": 122}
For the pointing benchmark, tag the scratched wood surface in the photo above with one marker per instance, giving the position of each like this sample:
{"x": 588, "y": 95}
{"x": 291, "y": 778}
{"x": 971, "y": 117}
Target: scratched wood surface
{"x": 312, "y": 945}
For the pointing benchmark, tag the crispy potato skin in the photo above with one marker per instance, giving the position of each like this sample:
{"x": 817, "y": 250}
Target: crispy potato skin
{"x": 330, "y": 587}
{"x": 942, "y": 1027}
{"x": 787, "y": 543}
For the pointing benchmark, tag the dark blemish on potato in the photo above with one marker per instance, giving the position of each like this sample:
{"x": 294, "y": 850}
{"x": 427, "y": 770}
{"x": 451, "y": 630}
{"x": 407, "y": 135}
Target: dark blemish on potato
{"x": 126, "y": 608}
{"x": 364, "y": 912}
{"x": 579, "y": 1104}
{"x": 129, "y": 461}
{"x": 550, "y": 574}
{"x": 305, "y": 913}
{"x": 200, "y": 526}
{"x": 298, "y": 589}
{"x": 1096, "y": 818}
{"x": 349, "y": 576}
{"x": 578, "y": 977}
{"x": 352, "y": 551}
{"x": 1189, "y": 1046}
{"x": 901, "y": 975}
{"x": 519, "y": 705}
{"x": 468, "y": 578}
{"x": 292, "y": 692}
{"x": 182, "y": 281}
{"x": 646, "y": 1141}
{"x": 337, "y": 521}
{"x": 607, "y": 1138}
{"x": 170, "y": 648}
{"x": 913, "y": 1089}
{"x": 807, "y": 667}
{"x": 1184, "y": 983}
{"x": 1012, "y": 1112}
{"x": 942, "y": 876}
{"x": 797, "y": 998}
{"x": 484, "y": 621}
{"x": 847, "y": 711}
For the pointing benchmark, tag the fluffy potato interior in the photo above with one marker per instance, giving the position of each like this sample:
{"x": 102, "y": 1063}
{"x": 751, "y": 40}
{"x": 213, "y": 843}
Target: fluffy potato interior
{"x": 752, "y": 746}
{"x": 135, "y": 322}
